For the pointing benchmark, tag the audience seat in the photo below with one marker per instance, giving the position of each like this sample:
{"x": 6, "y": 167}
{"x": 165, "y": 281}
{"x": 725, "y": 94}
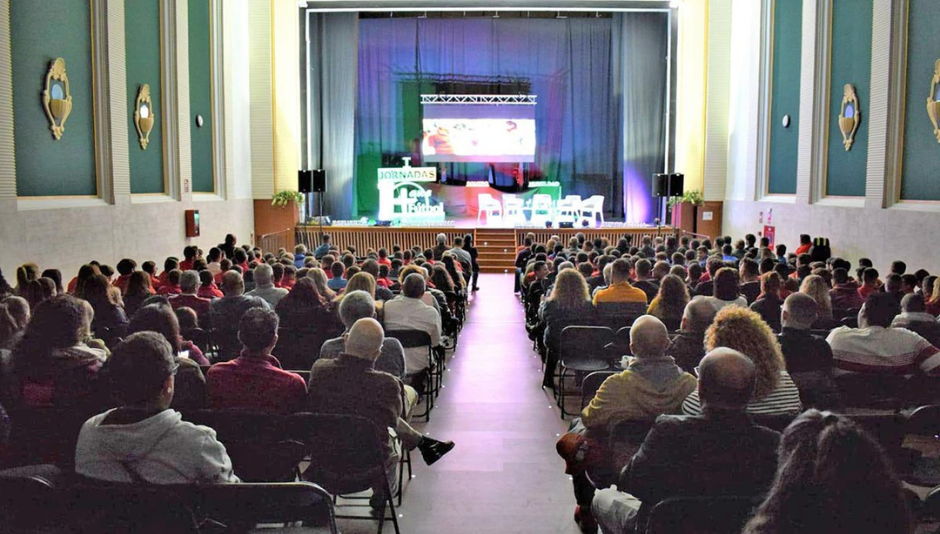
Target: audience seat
{"x": 583, "y": 350}
{"x": 701, "y": 515}
{"x": 591, "y": 384}
{"x": 298, "y": 349}
{"x": 433, "y": 374}
{"x": 616, "y": 315}
{"x": 921, "y": 430}
{"x": 347, "y": 457}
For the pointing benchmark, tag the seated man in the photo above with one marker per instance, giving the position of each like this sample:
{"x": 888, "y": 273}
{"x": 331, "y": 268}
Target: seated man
{"x": 643, "y": 270}
{"x": 264, "y": 285}
{"x": 915, "y": 318}
{"x": 408, "y": 312}
{"x": 876, "y": 348}
{"x": 750, "y": 283}
{"x": 360, "y": 305}
{"x": 350, "y": 385}
{"x": 718, "y": 453}
{"x": 808, "y": 357}
{"x": 255, "y": 381}
{"x": 189, "y": 285}
{"x": 652, "y": 385}
{"x": 844, "y": 293}
{"x": 688, "y": 348}
{"x": 620, "y": 289}
{"x": 226, "y": 312}
{"x": 144, "y": 440}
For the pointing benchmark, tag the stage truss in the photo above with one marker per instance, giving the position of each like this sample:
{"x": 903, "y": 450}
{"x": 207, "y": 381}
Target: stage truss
{"x": 524, "y": 100}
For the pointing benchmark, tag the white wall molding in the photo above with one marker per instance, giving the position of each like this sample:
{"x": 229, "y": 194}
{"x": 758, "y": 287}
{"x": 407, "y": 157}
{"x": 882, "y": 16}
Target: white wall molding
{"x": 807, "y": 158}
{"x": 757, "y": 188}
{"x": 7, "y": 151}
{"x": 718, "y": 97}
{"x": 217, "y": 82}
{"x": 117, "y": 110}
{"x": 101, "y": 77}
{"x": 262, "y": 110}
{"x": 169, "y": 97}
{"x": 822, "y": 91}
{"x": 182, "y": 100}
{"x": 886, "y": 116}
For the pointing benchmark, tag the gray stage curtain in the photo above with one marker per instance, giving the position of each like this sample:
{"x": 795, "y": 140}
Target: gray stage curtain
{"x": 334, "y": 52}
{"x": 644, "y": 51}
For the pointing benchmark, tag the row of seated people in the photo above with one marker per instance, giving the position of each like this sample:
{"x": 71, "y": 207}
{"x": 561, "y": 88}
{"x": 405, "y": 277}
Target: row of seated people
{"x": 794, "y": 369}
{"x": 146, "y": 375}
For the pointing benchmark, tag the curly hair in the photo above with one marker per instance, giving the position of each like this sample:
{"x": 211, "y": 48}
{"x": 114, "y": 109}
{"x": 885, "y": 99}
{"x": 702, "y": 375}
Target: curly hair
{"x": 744, "y": 331}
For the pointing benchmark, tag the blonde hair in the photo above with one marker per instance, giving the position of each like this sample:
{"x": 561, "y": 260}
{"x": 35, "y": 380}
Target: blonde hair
{"x": 815, "y": 286}
{"x": 319, "y": 279}
{"x": 744, "y": 331}
{"x": 570, "y": 290}
{"x": 361, "y": 282}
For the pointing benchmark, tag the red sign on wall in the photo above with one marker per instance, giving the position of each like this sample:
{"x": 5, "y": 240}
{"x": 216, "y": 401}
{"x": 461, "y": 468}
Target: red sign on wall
{"x": 769, "y": 234}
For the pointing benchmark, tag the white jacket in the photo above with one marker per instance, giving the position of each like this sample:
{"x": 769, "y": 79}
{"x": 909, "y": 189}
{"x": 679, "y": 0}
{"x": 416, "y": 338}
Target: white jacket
{"x": 162, "y": 449}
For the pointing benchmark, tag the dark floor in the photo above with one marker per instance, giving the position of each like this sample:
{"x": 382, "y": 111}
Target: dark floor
{"x": 503, "y": 476}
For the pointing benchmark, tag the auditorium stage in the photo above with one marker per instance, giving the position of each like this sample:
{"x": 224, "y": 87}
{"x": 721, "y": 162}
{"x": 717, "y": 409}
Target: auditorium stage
{"x": 497, "y": 245}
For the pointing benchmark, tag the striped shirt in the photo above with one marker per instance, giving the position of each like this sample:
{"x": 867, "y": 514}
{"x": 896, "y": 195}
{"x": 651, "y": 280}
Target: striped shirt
{"x": 783, "y": 400}
{"x": 880, "y": 350}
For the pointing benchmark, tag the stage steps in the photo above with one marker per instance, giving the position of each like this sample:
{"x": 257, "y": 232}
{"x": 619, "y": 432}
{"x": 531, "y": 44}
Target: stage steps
{"x": 497, "y": 247}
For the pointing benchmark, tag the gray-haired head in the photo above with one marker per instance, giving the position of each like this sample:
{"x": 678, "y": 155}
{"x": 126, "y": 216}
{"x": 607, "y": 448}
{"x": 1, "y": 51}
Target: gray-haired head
{"x": 413, "y": 287}
{"x": 799, "y": 311}
{"x": 441, "y": 239}
{"x": 698, "y": 315}
{"x": 189, "y": 282}
{"x": 354, "y": 306}
{"x": 264, "y": 274}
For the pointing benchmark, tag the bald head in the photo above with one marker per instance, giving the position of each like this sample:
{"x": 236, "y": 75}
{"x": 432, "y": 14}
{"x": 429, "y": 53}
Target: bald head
{"x": 365, "y": 339}
{"x": 726, "y": 379}
{"x": 648, "y": 337}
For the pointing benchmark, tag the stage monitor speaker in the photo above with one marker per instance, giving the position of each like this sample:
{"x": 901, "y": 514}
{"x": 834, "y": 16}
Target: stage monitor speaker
{"x": 676, "y": 183}
{"x": 660, "y": 185}
{"x": 319, "y": 181}
{"x": 305, "y": 181}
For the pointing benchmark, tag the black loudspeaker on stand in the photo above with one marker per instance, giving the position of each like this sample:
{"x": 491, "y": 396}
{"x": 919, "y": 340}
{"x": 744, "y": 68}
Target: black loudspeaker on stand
{"x": 665, "y": 186}
{"x": 313, "y": 181}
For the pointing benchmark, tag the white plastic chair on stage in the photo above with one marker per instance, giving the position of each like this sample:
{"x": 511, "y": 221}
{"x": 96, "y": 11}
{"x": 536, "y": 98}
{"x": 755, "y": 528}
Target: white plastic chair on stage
{"x": 512, "y": 209}
{"x": 568, "y": 210}
{"x": 490, "y": 207}
{"x": 541, "y": 209}
{"x": 591, "y": 209}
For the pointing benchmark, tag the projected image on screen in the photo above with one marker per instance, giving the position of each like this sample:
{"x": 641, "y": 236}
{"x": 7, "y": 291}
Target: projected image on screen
{"x": 478, "y": 133}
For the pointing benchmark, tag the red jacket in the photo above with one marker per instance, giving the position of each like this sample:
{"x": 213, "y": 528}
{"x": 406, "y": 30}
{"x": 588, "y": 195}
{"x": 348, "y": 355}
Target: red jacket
{"x": 255, "y": 384}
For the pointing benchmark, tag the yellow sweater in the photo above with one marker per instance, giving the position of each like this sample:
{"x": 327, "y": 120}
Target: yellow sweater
{"x": 629, "y": 396}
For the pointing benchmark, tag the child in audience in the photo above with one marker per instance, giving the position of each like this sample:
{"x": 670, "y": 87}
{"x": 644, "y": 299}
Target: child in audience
{"x": 207, "y": 288}
{"x": 383, "y": 280}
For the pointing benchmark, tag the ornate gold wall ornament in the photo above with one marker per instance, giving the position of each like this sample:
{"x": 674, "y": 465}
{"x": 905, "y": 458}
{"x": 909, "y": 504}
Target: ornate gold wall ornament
{"x": 849, "y": 116}
{"x": 143, "y": 115}
{"x": 56, "y": 97}
{"x": 933, "y": 101}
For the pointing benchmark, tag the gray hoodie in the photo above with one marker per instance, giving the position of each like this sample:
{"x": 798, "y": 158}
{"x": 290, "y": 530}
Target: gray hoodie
{"x": 162, "y": 449}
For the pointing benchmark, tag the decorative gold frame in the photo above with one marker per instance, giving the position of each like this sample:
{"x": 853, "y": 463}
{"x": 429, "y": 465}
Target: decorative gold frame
{"x": 849, "y": 125}
{"x": 143, "y": 124}
{"x": 57, "y": 109}
{"x": 933, "y": 106}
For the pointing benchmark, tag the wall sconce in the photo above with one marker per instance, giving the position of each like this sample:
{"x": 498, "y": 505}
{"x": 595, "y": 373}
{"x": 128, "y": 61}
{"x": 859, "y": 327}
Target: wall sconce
{"x": 933, "y": 101}
{"x": 849, "y": 116}
{"x": 56, "y": 97}
{"x": 143, "y": 115}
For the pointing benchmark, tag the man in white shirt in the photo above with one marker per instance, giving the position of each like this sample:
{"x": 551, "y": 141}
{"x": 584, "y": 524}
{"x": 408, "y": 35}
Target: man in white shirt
{"x": 264, "y": 286}
{"x": 408, "y": 312}
{"x": 876, "y": 348}
{"x": 144, "y": 440}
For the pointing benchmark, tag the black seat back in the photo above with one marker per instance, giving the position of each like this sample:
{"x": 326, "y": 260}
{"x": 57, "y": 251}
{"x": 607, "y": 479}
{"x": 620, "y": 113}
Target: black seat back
{"x": 585, "y": 343}
{"x": 701, "y": 515}
{"x": 347, "y": 452}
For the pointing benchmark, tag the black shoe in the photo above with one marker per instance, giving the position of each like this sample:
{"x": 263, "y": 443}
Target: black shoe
{"x": 432, "y": 450}
{"x": 476, "y": 289}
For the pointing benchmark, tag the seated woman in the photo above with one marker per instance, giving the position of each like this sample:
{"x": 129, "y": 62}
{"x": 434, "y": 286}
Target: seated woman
{"x": 669, "y": 303}
{"x": 569, "y": 304}
{"x": 161, "y": 319}
{"x": 137, "y": 291}
{"x": 726, "y": 292}
{"x": 144, "y": 440}
{"x": 310, "y": 321}
{"x": 769, "y": 303}
{"x": 819, "y": 488}
{"x": 816, "y": 287}
{"x": 52, "y": 365}
{"x": 360, "y": 282}
{"x": 743, "y": 330}
{"x": 109, "y": 312}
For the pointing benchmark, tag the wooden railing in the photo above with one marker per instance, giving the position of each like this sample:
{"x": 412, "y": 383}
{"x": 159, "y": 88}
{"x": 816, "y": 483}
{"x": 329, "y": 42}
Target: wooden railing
{"x": 276, "y": 240}
{"x": 612, "y": 235}
{"x": 376, "y": 237}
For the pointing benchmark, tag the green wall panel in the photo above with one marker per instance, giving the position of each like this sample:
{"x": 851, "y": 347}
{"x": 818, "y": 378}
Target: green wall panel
{"x": 921, "y": 151}
{"x": 785, "y": 96}
{"x": 142, "y": 30}
{"x": 40, "y": 31}
{"x": 200, "y": 94}
{"x": 850, "y": 63}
